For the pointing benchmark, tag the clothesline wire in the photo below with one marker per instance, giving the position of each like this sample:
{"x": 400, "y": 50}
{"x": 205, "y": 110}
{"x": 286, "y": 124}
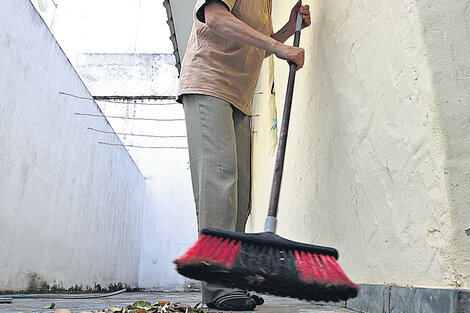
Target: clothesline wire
{"x": 133, "y": 118}
{"x": 131, "y": 134}
{"x": 139, "y": 147}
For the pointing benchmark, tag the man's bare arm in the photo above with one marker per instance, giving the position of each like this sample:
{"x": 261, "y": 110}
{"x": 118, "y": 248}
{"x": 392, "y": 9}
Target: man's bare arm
{"x": 225, "y": 24}
{"x": 289, "y": 29}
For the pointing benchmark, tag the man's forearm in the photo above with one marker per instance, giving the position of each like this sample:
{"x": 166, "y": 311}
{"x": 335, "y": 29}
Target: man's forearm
{"x": 282, "y": 35}
{"x": 226, "y": 25}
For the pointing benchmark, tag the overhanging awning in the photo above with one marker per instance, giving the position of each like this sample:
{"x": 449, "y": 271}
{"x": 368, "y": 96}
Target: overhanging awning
{"x": 180, "y": 20}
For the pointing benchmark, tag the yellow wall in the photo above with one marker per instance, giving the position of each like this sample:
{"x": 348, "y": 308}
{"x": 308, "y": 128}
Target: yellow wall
{"x": 378, "y": 160}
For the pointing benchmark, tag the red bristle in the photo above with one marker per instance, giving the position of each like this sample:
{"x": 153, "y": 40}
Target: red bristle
{"x": 321, "y": 269}
{"x": 306, "y": 265}
{"x": 301, "y": 264}
{"x": 313, "y": 273}
{"x": 218, "y": 256}
{"x": 203, "y": 247}
{"x": 204, "y": 253}
{"x": 234, "y": 254}
{"x": 334, "y": 264}
{"x": 333, "y": 277}
{"x": 225, "y": 255}
{"x": 303, "y": 267}
{"x": 214, "y": 248}
{"x": 193, "y": 251}
{"x": 339, "y": 272}
{"x": 201, "y": 243}
{"x": 343, "y": 279}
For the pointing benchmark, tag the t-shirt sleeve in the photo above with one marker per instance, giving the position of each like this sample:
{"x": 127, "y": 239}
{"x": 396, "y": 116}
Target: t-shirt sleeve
{"x": 201, "y": 4}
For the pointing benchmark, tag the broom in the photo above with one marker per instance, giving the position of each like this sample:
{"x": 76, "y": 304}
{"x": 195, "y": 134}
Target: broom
{"x": 266, "y": 262}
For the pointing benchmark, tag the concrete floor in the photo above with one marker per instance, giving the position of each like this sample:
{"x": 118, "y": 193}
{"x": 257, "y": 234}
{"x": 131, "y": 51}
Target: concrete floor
{"x": 272, "y": 304}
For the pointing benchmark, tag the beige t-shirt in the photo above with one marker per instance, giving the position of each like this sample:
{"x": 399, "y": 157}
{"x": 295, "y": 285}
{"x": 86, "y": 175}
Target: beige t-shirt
{"x": 224, "y": 68}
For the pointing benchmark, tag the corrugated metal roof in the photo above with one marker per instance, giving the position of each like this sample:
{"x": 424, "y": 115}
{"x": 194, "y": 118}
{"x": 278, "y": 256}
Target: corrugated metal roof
{"x": 180, "y": 21}
{"x": 171, "y": 24}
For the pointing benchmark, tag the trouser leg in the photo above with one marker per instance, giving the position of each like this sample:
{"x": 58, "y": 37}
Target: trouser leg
{"x": 219, "y": 149}
{"x": 243, "y": 139}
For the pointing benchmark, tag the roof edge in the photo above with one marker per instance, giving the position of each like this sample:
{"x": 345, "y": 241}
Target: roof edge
{"x": 171, "y": 24}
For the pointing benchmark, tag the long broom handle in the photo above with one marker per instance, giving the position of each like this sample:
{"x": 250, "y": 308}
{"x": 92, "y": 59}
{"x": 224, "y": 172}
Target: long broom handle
{"x": 271, "y": 220}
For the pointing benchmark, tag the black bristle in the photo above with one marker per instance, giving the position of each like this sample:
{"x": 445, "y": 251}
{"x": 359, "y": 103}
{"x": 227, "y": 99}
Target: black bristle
{"x": 268, "y": 268}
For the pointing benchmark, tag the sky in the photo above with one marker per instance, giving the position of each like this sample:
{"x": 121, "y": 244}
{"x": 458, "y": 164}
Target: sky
{"x": 111, "y": 26}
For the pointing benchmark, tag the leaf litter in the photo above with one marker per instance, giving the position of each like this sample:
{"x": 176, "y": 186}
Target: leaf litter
{"x": 158, "y": 307}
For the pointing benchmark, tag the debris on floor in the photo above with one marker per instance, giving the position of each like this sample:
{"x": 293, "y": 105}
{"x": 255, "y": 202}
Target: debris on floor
{"x": 147, "y": 307}
{"x": 135, "y": 301}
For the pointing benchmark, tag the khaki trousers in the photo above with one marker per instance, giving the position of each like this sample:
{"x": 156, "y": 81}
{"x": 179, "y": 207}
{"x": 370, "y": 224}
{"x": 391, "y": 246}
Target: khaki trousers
{"x": 219, "y": 141}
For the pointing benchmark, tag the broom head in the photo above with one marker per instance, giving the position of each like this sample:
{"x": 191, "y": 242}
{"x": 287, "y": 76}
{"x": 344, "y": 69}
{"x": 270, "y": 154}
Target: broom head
{"x": 267, "y": 263}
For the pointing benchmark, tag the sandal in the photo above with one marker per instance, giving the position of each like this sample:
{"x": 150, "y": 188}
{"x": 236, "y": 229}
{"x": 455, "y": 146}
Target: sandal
{"x": 258, "y": 300}
{"x": 234, "y": 301}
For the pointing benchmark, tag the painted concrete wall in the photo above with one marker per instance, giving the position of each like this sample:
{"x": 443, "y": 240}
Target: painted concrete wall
{"x": 70, "y": 209}
{"x": 169, "y": 226}
{"x": 378, "y": 156}
{"x": 128, "y": 74}
{"x": 169, "y": 220}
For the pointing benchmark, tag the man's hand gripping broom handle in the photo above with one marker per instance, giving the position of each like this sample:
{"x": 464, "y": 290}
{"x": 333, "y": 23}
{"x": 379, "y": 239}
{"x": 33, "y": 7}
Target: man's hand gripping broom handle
{"x": 271, "y": 220}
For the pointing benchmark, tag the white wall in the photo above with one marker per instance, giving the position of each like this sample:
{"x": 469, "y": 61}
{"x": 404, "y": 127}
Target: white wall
{"x": 169, "y": 226}
{"x": 169, "y": 217}
{"x": 70, "y": 208}
{"x": 169, "y": 220}
{"x": 128, "y": 74}
{"x": 378, "y": 156}
{"x": 113, "y": 45}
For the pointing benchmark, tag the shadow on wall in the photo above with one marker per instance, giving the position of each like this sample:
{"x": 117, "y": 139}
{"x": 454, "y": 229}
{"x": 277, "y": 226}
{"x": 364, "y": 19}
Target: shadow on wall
{"x": 446, "y": 32}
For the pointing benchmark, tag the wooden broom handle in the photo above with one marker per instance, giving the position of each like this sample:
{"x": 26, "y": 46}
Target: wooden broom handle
{"x": 281, "y": 151}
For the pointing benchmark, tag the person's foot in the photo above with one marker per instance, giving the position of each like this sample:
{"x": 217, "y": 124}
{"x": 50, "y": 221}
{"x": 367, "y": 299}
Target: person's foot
{"x": 234, "y": 301}
{"x": 258, "y": 300}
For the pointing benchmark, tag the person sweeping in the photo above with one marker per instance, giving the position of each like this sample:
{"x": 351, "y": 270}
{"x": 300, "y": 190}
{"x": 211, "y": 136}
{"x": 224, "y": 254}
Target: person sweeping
{"x": 220, "y": 71}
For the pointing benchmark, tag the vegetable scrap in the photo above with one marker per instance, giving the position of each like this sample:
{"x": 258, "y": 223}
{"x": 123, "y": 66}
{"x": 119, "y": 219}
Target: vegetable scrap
{"x": 160, "y": 307}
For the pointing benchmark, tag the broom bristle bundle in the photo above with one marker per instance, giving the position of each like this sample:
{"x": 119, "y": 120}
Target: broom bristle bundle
{"x": 212, "y": 250}
{"x": 267, "y": 263}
